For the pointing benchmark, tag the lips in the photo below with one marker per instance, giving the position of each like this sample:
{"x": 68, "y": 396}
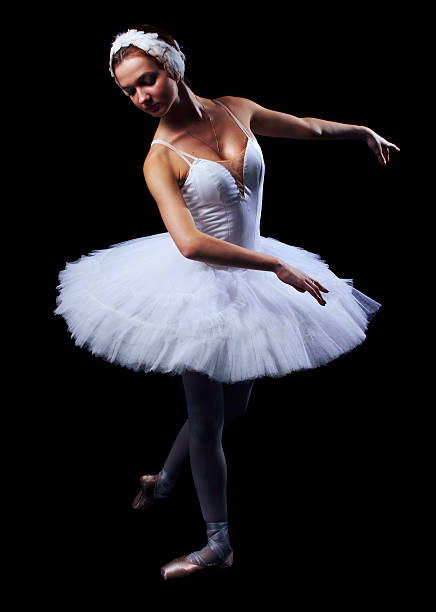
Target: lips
{"x": 153, "y": 108}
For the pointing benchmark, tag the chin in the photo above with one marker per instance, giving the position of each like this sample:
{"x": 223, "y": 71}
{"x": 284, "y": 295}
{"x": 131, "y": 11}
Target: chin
{"x": 155, "y": 113}
{"x": 162, "y": 111}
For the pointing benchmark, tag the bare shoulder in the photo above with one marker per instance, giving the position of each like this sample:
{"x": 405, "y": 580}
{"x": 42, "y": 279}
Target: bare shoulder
{"x": 162, "y": 159}
{"x": 156, "y": 155}
{"x": 234, "y": 102}
{"x": 243, "y": 108}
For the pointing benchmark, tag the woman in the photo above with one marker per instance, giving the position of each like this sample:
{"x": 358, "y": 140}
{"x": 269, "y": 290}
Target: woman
{"x": 210, "y": 299}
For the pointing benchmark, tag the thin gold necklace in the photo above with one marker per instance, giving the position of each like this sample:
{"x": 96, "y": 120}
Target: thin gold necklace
{"x": 213, "y": 127}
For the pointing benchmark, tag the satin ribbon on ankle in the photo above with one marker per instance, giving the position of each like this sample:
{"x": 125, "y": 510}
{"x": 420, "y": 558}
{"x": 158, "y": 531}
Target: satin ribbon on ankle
{"x": 164, "y": 484}
{"x": 217, "y": 540}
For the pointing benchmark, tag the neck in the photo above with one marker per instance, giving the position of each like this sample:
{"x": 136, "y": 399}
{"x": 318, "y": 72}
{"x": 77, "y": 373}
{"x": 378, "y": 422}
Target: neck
{"x": 187, "y": 109}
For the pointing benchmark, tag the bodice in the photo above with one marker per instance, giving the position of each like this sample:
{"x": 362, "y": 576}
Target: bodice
{"x": 220, "y": 205}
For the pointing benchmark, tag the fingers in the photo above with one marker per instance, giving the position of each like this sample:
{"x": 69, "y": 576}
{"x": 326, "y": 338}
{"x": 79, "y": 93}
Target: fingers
{"x": 313, "y": 290}
{"x": 381, "y": 147}
{"x": 313, "y": 287}
{"x": 391, "y": 144}
{"x": 317, "y": 297}
{"x": 384, "y": 152}
{"x": 320, "y": 286}
{"x": 380, "y": 156}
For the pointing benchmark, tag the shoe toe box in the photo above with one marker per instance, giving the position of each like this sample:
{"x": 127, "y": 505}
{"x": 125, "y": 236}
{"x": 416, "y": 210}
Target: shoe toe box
{"x": 179, "y": 567}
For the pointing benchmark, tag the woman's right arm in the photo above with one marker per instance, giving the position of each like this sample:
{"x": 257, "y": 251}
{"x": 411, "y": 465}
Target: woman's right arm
{"x": 191, "y": 242}
{"x": 163, "y": 185}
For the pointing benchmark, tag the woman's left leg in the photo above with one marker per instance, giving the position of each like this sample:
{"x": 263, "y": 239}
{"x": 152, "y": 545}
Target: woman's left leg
{"x": 236, "y": 398}
{"x": 205, "y": 407}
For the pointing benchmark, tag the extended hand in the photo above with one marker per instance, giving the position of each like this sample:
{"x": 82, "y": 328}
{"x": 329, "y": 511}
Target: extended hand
{"x": 300, "y": 281}
{"x": 380, "y": 146}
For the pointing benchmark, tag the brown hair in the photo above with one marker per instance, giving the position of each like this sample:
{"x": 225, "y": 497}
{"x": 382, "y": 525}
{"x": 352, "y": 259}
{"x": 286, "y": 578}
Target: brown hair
{"x": 123, "y": 52}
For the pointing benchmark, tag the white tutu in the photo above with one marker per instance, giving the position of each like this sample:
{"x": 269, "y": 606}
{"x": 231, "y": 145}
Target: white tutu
{"x": 143, "y": 305}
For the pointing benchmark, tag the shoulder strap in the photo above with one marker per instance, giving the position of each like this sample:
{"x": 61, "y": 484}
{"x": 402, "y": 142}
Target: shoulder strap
{"x": 170, "y": 146}
{"x": 235, "y": 118}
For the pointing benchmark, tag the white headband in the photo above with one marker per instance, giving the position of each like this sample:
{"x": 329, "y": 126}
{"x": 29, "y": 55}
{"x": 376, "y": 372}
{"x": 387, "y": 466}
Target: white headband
{"x": 159, "y": 49}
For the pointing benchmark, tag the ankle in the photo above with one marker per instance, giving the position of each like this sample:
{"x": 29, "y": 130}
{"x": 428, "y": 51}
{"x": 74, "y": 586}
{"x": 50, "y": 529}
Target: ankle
{"x": 218, "y": 538}
{"x": 164, "y": 484}
{"x": 218, "y": 545}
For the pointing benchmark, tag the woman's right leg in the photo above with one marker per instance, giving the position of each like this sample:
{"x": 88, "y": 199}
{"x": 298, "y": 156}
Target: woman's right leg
{"x": 236, "y": 398}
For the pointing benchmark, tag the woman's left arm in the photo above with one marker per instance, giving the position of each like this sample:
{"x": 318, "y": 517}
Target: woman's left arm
{"x": 267, "y": 122}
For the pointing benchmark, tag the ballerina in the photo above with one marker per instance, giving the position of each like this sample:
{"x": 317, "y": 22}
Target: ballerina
{"x": 210, "y": 299}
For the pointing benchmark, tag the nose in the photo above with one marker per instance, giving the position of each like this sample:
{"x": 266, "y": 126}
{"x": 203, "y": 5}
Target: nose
{"x": 142, "y": 95}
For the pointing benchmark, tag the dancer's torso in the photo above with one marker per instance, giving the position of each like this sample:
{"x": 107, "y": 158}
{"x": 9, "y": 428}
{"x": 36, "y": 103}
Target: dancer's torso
{"x": 225, "y": 196}
{"x": 201, "y": 142}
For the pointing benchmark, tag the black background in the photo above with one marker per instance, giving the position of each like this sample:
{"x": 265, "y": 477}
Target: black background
{"x": 313, "y": 467}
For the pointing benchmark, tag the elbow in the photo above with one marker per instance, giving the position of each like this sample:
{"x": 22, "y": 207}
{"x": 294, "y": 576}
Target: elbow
{"x": 315, "y": 130}
{"x": 189, "y": 249}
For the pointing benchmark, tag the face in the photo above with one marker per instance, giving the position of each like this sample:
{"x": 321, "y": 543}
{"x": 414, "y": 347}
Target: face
{"x": 146, "y": 83}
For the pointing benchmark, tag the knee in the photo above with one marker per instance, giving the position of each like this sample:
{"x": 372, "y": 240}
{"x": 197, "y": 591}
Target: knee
{"x": 205, "y": 430}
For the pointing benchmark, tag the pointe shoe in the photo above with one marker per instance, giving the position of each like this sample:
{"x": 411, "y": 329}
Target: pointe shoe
{"x": 146, "y": 495}
{"x": 181, "y": 567}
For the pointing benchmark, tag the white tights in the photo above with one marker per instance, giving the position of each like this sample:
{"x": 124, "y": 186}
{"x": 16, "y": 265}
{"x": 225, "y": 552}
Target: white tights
{"x": 210, "y": 406}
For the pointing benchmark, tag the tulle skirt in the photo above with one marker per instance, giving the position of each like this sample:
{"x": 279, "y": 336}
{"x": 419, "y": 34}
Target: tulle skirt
{"x": 143, "y": 305}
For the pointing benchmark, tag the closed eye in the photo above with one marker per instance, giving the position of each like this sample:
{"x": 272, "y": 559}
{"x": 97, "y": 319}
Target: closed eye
{"x": 131, "y": 92}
